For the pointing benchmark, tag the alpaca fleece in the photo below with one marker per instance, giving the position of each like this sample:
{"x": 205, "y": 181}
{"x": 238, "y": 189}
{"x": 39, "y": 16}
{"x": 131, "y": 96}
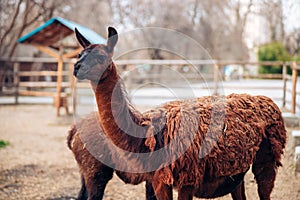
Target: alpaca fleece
{"x": 216, "y": 136}
{"x": 202, "y": 146}
{"x": 220, "y": 139}
{"x": 90, "y": 146}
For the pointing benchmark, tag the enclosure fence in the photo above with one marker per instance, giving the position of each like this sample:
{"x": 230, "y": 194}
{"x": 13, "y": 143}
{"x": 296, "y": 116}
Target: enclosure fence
{"x": 42, "y": 77}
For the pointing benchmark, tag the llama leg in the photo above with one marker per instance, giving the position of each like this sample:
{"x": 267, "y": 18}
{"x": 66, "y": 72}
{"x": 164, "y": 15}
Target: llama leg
{"x": 83, "y": 195}
{"x": 265, "y": 174}
{"x": 239, "y": 192}
{"x": 96, "y": 183}
{"x": 96, "y": 189}
{"x": 150, "y": 194}
{"x": 162, "y": 190}
{"x": 186, "y": 193}
{"x": 264, "y": 170}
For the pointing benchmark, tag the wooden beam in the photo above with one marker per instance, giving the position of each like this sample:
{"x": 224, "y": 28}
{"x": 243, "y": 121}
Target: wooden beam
{"x": 41, "y": 73}
{"x": 284, "y": 78}
{"x": 216, "y": 78}
{"x": 294, "y": 86}
{"x": 16, "y": 81}
{"x": 72, "y": 53}
{"x": 59, "y": 85}
{"x": 48, "y": 51}
{"x": 72, "y": 82}
{"x": 43, "y": 84}
{"x": 37, "y": 93}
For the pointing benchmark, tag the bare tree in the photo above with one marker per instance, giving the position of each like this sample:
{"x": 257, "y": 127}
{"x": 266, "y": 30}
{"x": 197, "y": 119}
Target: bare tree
{"x": 272, "y": 11}
{"x": 292, "y": 43}
{"x": 94, "y": 14}
{"x": 17, "y": 16}
{"x": 217, "y": 25}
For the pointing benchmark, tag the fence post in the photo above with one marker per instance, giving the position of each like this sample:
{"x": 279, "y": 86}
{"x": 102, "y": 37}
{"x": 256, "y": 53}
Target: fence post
{"x": 74, "y": 93}
{"x": 244, "y": 72}
{"x": 216, "y": 79}
{"x": 16, "y": 69}
{"x": 72, "y": 81}
{"x": 129, "y": 79}
{"x": 58, "y": 87}
{"x": 294, "y": 85}
{"x": 284, "y": 78}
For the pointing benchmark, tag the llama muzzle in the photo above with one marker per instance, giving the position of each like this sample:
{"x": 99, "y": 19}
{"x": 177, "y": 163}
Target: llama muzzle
{"x": 78, "y": 72}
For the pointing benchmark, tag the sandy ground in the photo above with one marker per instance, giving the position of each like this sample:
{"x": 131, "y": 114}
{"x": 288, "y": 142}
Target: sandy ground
{"x": 38, "y": 165}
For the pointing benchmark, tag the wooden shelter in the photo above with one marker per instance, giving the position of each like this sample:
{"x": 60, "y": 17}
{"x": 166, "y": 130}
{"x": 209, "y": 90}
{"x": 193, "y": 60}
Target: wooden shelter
{"x": 48, "y": 38}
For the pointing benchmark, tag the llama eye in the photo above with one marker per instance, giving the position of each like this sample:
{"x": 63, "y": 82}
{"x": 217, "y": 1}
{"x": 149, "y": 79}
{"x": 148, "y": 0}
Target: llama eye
{"x": 101, "y": 58}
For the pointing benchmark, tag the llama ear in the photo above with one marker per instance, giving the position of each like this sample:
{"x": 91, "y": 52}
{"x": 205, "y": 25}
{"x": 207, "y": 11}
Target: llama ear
{"x": 112, "y": 38}
{"x": 81, "y": 39}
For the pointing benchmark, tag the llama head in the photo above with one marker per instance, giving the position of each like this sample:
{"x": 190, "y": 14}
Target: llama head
{"x": 95, "y": 60}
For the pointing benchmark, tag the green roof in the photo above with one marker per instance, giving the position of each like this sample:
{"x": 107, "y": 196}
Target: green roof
{"x": 56, "y": 29}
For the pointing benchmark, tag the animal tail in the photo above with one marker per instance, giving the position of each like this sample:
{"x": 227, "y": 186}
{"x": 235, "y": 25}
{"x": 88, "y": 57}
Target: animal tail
{"x": 268, "y": 157}
{"x": 276, "y": 137}
{"x": 70, "y": 136}
{"x": 275, "y": 132}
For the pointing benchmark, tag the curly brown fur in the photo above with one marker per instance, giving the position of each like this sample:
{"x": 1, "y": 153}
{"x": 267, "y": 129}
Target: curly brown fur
{"x": 89, "y": 145}
{"x": 224, "y": 136}
{"x": 210, "y": 142}
{"x": 241, "y": 124}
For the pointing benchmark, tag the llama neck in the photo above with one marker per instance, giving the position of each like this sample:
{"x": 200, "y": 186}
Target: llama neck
{"x": 120, "y": 122}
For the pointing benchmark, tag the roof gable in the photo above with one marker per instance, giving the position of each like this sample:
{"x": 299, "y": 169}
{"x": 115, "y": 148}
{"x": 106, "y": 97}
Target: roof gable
{"x": 55, "y": 30}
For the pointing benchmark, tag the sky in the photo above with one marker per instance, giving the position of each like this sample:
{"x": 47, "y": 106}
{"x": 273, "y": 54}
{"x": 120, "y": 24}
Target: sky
{"x": 291, "y": 11}
{"x": 257, "y": 28}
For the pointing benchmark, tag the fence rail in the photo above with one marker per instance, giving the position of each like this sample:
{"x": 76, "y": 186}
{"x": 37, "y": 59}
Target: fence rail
{"x": 36, "y": 77}
{"x": 19, "y": 80}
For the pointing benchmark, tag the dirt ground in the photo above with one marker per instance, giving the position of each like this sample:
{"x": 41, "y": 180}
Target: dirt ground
{"x": 38, "y": 165}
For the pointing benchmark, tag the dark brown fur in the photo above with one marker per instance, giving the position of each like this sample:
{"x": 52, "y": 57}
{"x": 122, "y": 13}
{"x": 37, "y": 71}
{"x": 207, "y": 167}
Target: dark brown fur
{"x": 89, "y": 145}
{"x": 251, "y": 132}
{"x": 212, "y": 141}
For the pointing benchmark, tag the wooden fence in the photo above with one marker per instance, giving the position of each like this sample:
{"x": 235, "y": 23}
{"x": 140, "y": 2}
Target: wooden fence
{"x": 38, "y": 77}
{"x": 40, "y": 80}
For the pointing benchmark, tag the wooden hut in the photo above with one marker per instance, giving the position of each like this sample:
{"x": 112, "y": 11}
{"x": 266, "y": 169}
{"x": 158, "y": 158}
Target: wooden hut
{"x": 48, "y": 38}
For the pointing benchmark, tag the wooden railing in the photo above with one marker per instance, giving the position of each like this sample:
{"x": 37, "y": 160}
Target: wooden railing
{"x": 59, "y": 85}
{"x": 32, "y": 77}
{"x": 217, "y": 74}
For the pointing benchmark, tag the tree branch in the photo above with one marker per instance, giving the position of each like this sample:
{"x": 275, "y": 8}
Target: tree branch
{"x": 12, "y": 23}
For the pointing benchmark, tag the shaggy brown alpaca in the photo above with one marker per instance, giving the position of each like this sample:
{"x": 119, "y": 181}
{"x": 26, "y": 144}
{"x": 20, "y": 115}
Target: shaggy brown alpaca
{"x": 89, "y": 145}
{"x": 202, "y": 146}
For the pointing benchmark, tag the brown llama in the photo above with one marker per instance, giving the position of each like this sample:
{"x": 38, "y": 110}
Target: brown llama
{"x": 86, "y": 136}
{"x": 208, "y": 143}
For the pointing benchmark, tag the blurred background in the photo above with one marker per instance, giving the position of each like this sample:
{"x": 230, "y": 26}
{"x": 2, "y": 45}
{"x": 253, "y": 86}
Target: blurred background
{"x": 229, "y": 29}
{"x": 167, "y": 50}
{"x": 221, "y": 42}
